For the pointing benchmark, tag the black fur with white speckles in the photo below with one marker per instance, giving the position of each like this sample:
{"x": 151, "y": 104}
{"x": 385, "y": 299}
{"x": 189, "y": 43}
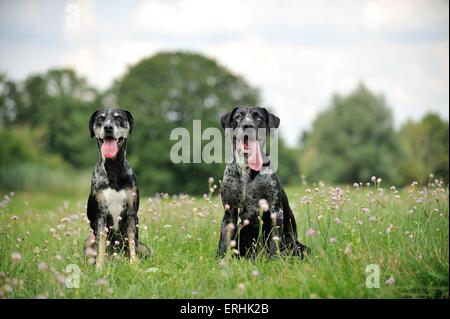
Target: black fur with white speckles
{"x": 241, "y": 190}
{"x": 113, "y": 183}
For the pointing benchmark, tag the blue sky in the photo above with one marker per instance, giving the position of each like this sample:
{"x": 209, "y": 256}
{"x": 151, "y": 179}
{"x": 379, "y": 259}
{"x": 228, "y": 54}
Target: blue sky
{"x": 297, "y": 52}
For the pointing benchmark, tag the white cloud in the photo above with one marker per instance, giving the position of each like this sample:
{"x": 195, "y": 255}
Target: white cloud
{"x": 298, "y": 52}
{"x": 191, "y": 17}
{"x": 102, "y": 63}
{"x": 80, "y": 18}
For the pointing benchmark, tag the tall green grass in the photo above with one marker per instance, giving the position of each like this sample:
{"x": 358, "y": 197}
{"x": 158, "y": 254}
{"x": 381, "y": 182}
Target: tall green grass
{"x": 26, "y": 165}
{"x": 34, "y": 176}
{"x": 405, "y": 233}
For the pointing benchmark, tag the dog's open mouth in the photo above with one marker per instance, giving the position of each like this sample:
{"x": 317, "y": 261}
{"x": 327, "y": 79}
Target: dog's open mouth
{"x": 252, "y": 152}
{"x": 110, "y": 146}
{"x": 245, "y": 147}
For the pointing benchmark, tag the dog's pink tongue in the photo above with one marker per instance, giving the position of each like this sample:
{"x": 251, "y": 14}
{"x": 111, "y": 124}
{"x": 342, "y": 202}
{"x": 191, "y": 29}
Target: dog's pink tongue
{"x": 255, "y": 159}
{"x": 109, "y": 148}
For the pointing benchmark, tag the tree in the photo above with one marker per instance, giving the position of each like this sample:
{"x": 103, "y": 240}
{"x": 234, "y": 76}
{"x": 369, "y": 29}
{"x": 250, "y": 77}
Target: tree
{"x": 169, "y": 90}
{"x": 352, "y": 140}
{"x": 60, "y": 103}
{"x": 166, "y": 91}
{"x": 427, "y": 146}
{"x": 9, "y": 99}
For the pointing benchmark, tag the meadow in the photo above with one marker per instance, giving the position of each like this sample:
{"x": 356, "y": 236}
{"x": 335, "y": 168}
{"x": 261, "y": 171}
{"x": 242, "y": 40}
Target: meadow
{"x": 404, "y": 232}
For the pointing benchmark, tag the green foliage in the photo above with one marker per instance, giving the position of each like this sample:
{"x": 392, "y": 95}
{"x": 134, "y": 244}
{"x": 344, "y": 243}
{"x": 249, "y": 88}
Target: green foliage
{"x": 57, "y": 104}
{"x": 352, "y": 141}
{"x": 25, "y": 166}
{"x": 12, "y": 149}
{"x": 288, "y": 171}
{"x": 9, "y": 98}
{"x": 60, "y": 103}
{"x": 45, "y": 94}
{"x": 427, "y": 145}
{"x": 29, "y": 176}
{"x": 171, "y": 90}
{"x": 163, "y": 92}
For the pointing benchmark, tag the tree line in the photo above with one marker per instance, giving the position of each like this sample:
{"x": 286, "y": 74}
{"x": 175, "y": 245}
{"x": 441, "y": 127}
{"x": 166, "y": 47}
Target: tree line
{"x": 43, "y": 120}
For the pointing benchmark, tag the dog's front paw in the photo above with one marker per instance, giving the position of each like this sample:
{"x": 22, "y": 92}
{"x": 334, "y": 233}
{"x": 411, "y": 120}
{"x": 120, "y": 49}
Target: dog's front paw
{"x": 143, "y": 251}
{"x": 302, "y": 250}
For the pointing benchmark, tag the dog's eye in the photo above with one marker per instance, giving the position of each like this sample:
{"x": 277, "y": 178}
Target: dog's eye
{"x": 258, "y": 118}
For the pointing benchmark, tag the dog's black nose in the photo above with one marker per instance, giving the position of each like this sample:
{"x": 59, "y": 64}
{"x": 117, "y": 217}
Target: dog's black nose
{"x": 108, "y": 129}
{"x": 248, "y": 126}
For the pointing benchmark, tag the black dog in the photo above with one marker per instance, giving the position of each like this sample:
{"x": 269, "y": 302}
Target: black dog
{"x": 250, "y": 184}
{"x": 114, "y": 198}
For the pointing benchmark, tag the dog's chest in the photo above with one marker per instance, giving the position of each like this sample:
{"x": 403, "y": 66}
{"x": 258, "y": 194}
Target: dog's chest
{"x": 114, "y": 202}
{"x": 244, "y": 191}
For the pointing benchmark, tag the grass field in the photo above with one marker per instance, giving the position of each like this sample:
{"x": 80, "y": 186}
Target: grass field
{"x": 405, "y": 233}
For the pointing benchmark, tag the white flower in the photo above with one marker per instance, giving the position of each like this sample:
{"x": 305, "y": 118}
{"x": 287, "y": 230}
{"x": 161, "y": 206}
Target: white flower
{"x": 310, "y": 232}
{"x": 42, "y": 266}
{"x": 152, "y": 269}
{"x": 348, "y": 250}
{"x": 263, "y": 205}
{"x": 389, "y": 229}
{"x": 230, "y": 227}
{"x": 16, "y": 257}
{"x": 101, "y": 282}
{"x": 390, "y": 281}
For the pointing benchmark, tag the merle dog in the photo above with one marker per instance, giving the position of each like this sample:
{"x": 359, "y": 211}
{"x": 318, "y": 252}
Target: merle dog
{"x": 114, "y": 198}
{"x": 249, "y": 184}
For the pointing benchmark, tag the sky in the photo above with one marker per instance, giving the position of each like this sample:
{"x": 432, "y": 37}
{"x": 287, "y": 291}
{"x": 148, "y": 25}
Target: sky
{"x": 298, "y": 53}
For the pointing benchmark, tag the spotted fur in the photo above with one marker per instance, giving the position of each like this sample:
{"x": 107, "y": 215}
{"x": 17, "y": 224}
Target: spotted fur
{"x": 241, "y": 190}
{"x": 114, "y": 198}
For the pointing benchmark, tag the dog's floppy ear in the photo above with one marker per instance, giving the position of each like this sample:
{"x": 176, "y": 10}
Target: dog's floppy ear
{"x": 273, "y": 121}
{"x": 91, "y": 123}
{"x": 130, "y": 120}
{"x": 226, "y": 119}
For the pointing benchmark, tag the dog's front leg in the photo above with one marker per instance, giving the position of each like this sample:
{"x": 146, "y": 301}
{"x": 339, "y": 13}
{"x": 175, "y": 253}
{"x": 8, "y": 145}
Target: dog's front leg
{"x": 228, "y": 230}
{"x": 131, "y": 235}
{"x": 102, "y": 231}
{"x": 273, "y": 230}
